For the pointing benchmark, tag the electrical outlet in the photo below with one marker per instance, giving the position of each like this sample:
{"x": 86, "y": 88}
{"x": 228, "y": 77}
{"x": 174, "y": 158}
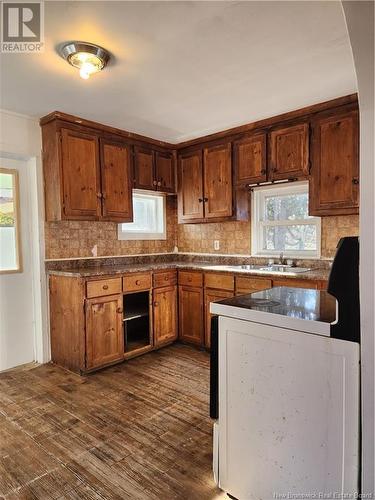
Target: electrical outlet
{"x": 216, "y": 245}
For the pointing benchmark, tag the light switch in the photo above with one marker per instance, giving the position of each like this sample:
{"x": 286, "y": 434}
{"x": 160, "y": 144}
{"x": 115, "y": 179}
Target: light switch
{"x": 216, "y": 245}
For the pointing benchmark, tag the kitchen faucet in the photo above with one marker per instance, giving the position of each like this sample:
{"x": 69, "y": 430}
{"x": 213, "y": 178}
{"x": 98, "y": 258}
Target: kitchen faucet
{"x": 281, "y": 259}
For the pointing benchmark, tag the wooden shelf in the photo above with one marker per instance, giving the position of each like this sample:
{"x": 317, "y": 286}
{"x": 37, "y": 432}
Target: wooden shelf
{"x": 135, "y": 312}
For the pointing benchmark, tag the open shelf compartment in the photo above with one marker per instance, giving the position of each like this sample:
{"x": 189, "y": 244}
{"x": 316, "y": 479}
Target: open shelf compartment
{"x": 136, "y": 321}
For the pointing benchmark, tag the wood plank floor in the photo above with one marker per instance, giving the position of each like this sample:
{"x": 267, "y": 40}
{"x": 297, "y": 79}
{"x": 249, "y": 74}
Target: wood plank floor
{"x": 139, "y": 430}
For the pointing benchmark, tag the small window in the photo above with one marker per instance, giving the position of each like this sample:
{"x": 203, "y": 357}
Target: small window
{"x": 148, "y": 218}
{"x": 10, "y": 255}
{"x": 281, "y": 222}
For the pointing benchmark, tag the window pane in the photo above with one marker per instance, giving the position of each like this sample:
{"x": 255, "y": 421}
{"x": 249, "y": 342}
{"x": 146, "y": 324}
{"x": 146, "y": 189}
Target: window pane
{"x": 287, "y": 207}
{"x": 8, "y": 229}
{"x": 148, "y": 218}
{"x": 295, "y": 237}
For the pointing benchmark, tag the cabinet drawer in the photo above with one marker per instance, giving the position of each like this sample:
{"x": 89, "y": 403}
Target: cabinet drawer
{"x": 293, "y": 283}
{"x": 244, "y": 284}
{"x": 219, "y": 281}
{"x": 190, "y": 278}
{"x": 134, "y": 282}
{"x": 165, "y": 278}
{"x": 103, "y": 287}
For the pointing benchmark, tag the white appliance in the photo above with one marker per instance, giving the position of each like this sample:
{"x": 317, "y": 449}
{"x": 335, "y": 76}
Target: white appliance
{"x": 288, "y": 398}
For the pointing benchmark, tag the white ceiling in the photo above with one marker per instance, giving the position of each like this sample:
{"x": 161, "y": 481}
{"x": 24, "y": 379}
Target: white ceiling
{"x": 185, "y": 69}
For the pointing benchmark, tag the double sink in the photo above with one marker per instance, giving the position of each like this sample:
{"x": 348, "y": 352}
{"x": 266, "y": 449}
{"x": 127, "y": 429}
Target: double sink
{"x": 265, "y": 269}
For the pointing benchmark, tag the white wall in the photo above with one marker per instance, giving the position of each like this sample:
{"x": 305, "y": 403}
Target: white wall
{"x": 360, "y": 23}
{"x": 23, "y": 330}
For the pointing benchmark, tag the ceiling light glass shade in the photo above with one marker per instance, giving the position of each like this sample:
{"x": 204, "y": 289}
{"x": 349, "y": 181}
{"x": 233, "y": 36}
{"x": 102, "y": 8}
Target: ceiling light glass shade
{"x": 86, "y": 57}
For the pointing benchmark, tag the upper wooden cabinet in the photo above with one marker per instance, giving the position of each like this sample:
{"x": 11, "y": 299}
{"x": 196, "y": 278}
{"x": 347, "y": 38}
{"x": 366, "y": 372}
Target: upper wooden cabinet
{"x": 190, "y": 187}
{"x": 85, "y": 177}
{"x": 289, "y": 152}
{"x": 154, "y": 170}
{"x": 250, "y": 160}
{"x": 116, "y": 175}
{"x": 217, "y": 174}
{"x": 334, "y": 183}
{"x": 144, "y": 168}
{"x": 205, "y": 187}
{"x": 165, "y": 172}
{"x": 81, "y": 187}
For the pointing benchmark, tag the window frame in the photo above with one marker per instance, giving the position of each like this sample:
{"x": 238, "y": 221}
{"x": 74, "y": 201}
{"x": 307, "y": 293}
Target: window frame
{"x": 257, "y": 224}
{"x": 17, "y": 220}
{"x": 128, "y": 235}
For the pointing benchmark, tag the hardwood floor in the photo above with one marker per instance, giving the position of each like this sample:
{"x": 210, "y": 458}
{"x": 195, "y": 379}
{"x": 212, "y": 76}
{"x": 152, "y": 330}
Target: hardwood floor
{"x": 139, "y": 430}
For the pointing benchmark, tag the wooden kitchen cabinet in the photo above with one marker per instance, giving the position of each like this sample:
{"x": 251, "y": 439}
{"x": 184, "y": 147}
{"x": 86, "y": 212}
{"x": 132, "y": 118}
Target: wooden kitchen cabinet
{"x": 205, "y": 191}
{"x": 81, "y": 187}
{"x": 165, "y": 314}
{"x": 190, "y": 187}
{"x": 104, "y": 334}
{"x": 165, "y": 172}
{"x": 289, "y": 152}
{"x": 217, "y": 174}
{"x": 191, "y": 318}
{"x": 250, "y": 160}
{"x": 212, "y": 296}
{"x": 247, "y": 284}
{"x": 117, "y": 180}
{"x": 144, "y": 168}
{"x": 154, "y": 170}
{"x": 334, "y": 182}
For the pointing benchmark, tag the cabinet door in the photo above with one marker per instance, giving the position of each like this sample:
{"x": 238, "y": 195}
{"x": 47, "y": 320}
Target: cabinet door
{"x": 289, "y": 152}
{"x": 164, "y": 172}
{"x": 212, "y": 296}
{"x": 293, "y": 283}
{"x": 117, "y": 179}
{"x": 104, "y": 336}
{"x": 144, "y": 177}
{"x": 250, "y": 160}
{"x": 81, "y": 175}
{"x": 334, "y": 185}
{"x": 190, "y": 187}
{"x": 218, "y": 190}
{"x": 165, "y": 314}
{"x": 191, "y": 321}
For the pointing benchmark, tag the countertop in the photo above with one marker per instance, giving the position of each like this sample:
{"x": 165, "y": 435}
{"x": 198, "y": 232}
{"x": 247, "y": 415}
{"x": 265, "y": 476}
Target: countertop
{"x": 110, "y": 270}
{"x": 312, "y": 311}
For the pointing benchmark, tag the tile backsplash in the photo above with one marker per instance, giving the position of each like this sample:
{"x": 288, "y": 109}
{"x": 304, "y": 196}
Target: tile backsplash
{"x": 72, "y": 239}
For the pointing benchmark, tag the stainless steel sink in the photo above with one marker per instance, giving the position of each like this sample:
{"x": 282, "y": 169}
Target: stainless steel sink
{"x": 275, "y": 268}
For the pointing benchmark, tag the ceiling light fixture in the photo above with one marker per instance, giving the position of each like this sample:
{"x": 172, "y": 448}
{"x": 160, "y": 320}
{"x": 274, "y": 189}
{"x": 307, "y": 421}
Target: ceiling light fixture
{"x": 86, "y": 57}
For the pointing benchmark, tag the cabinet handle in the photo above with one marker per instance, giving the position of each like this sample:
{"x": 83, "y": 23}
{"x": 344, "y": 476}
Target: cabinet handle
{"x": 166, "y": 278}
{"x": 105, "y": 287}
{"x": 99, "y": 195}
{"x": 263, "y": 171}
{"x": 355, "y": 180}
{"x": 103, "y": 196}
{"x": 154, "y": 183}
{"x": 137, "y": 282}
{"x": 119, "y": 310}
{"x": 156, "y": 304}
{"x": 159, "y": 183}
{"x": 200, "y": 200}
{"x": 205, "y": 199}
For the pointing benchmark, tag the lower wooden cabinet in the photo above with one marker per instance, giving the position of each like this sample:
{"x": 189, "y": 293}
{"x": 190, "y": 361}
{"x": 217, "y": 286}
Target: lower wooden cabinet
{"x": 212, "y": 296}
{"x": 104, "y": 336}
{"x": 245, "y": 284}
{"x": 191, "y": 320}
{"x": 165, "y": 314}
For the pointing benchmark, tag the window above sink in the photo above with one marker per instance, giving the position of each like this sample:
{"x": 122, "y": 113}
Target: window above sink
{"x": 280, "y": 222}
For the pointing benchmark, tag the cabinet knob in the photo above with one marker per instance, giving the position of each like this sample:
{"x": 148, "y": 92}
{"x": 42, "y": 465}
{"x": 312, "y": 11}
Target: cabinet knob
{"x": 205, "y": 199}
{"x": 137, "y": 282}
{"x": 200, "y": 200}
{"x": 263, "y": 171}
{"x": 159, "y": 183}
{"x": 105, "y": 287}
{"x": 99, "y": 195}
{"x": 156, "y": 304}
{"x": 119, "y": 310}
{"x": 154, "y": 183}
{"x": 355, "y": 180}
{"x": 166, "y": 278}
